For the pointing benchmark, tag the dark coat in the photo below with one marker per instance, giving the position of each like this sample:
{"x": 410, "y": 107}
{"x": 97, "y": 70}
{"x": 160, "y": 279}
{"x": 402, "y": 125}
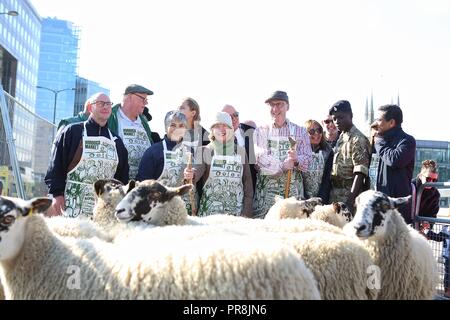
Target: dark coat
{"x": 250, "y": 150}
{"x": 429, "y": 202}
{"x": 397, "y": 151}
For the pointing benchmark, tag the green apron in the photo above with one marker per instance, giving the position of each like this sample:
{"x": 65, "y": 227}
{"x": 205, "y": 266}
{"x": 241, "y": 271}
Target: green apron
{"x": 223, "y": 192}
{"x": 98, "y": 161}
{"x": 312, "y": 177}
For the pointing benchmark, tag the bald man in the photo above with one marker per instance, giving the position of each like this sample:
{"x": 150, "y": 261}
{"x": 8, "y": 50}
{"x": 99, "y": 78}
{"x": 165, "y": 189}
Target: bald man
{"x": 85, "y": 152}
{"x": 244, "y": 137}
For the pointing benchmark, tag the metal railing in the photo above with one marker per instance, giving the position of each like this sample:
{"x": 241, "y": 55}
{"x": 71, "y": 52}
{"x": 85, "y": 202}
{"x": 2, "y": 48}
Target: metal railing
{"x": 25, "y": 149}
{"x": 437, "y": 226}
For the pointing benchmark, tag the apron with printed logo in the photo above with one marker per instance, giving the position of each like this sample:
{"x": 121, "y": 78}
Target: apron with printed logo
{"x": 223, "y": 192}
{"x": 174, "y": 163}
{"x": 312, "y": 177}
{"x": 136, "y": 141}
{"x": 98, "y": 161}
{"x": 267, "y": 187}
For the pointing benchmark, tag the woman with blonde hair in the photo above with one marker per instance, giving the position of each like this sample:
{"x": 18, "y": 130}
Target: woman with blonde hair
{"x": 317, "y": 178}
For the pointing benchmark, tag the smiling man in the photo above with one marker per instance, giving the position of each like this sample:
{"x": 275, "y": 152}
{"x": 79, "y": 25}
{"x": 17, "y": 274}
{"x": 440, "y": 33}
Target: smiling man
{"x": 277, "y": 160}
{"x": 352, "y": 157}
{"x": 130, "y": 124}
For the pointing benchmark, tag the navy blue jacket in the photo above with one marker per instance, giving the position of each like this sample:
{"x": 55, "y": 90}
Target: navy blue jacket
{"x": 65, "y": 147}
{"x": 152, "y": 162}
{"x": 397, "y": 151}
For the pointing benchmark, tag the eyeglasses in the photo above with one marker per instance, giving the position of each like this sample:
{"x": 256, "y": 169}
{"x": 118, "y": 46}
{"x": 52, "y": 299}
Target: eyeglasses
{"x": 317, "y": 130}
{"x": 144, "y": 100}
{"x": 328, "y": 121}
{"x": 280, "y": 104}
{"x": 235, "y": 115}
{"x": 429, "y": 179}
{"x": 101, "y": 104}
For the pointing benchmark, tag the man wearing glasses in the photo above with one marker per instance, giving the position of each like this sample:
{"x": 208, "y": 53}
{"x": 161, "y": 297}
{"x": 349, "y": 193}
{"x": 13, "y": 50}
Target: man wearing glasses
{"x": 279, "y": 162}
{"x": 396, "y": 151}
{"x": 85, "y": 152}
{"x": 331, "y": 132}
{"x": 128, "y": 122}
{"x": 244, "y": 137}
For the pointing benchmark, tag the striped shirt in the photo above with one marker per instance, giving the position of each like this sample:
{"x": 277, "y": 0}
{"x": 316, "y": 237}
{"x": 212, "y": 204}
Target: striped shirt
{"x": 304, "y": 152}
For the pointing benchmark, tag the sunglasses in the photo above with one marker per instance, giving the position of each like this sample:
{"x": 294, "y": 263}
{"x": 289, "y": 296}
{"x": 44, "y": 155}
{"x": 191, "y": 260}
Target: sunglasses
{"x": 317, "y": 130}
{"x": 328, "y": 121}
{"x": 429, "y": 179}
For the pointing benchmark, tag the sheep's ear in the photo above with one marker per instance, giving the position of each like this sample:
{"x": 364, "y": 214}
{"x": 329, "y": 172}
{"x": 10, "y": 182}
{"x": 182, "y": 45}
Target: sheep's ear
{"x": 397, "y": 202}
{"x": 183, "y": 189}
{"x": 336, "y": 207}
{"x": 130, "y": 186}
{"x": 36, "y": 205}
{"x": 98, "y": 186}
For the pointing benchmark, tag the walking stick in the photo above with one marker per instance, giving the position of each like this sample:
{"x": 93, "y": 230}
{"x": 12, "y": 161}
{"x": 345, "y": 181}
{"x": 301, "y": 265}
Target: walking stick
{"x": 287, "y": 186}
{"x": 191, "y": 192}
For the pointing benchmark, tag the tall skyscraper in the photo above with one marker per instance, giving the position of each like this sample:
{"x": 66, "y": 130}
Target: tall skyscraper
{"x": 58, "y": 62}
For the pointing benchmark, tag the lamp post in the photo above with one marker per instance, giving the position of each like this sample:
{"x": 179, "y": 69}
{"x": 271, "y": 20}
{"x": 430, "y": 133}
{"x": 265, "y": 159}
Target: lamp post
{"x": 11, "y": 13}
{"x": 55, "y": 92}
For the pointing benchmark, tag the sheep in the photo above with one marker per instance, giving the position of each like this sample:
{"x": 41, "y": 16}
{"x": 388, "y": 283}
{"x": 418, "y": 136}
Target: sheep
{"x": 292, "y": 208}
{"x": 336, "y": 214}
{"x": 152, "y": 202}
{"x": 406, "y": 262}
{"x": 37, "y": 264}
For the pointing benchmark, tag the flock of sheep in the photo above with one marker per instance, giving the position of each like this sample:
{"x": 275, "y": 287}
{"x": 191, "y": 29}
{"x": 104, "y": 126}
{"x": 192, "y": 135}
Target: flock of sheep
{"x": 141, "y": 244}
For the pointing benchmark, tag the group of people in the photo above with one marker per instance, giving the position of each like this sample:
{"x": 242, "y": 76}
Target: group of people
{"x": 236, "y": 168}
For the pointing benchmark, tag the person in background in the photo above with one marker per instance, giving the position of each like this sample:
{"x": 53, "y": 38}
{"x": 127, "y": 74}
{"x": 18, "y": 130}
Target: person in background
{"x": 80, "y": 117}
{"x": 223, "y": 167}
{"x": 250, "y": 123}
{"x": 244, "y": 138}
{"x": 351, "y": 158}
{"x": 331, "y": 132}
{"x": 1, "y": 188}
{"x": 317, "y": 178}
{"x": 128, "y": 122}
{"x": 85, "y": 152}
{"x": 278, "y": 159}
{"x": 429, "y": 201}
{"x": 396, "y": 151}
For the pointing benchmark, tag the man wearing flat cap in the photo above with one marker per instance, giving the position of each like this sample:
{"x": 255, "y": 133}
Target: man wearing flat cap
{"x": 277, "y": 159}
{"x": 352, "y": 157}
{"x": 128, "y": 122}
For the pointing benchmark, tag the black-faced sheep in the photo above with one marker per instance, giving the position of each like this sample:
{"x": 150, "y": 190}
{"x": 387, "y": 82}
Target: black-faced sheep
{"x": 408, "y": 268}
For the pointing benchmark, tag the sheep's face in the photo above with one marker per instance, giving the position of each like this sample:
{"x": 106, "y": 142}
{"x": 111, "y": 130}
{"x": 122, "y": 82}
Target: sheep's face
{"x": 148, "y": 199}
{"x": 112, "y": 191}
{"x": 293, "y": 208}
{"x": 342, "y": 209}
{"x": 372, "y": 211}
{"x": 12, "y": 226}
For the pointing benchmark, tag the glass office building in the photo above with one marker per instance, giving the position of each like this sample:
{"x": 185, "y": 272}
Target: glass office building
{"x": 57, "y": 69}
{"x": 84, "y": 89}
{"x": 19, "y": 64}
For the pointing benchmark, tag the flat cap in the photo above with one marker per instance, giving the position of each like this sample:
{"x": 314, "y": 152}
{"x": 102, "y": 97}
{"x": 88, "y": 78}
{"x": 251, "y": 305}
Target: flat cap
{"x": 340, "y": 106}
{"x": 278, "y": 95}
{"x": 135, "y": 88}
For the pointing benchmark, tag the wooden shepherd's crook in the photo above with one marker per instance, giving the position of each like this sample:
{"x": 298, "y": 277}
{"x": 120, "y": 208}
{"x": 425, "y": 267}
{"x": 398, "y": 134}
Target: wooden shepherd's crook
{"x": 191, "y": 192}
{"x": 287, "y": 187}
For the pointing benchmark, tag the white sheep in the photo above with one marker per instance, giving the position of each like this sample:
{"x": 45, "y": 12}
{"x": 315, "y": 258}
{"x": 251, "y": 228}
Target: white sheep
{"x": 37, "y": 264}
{"x": 336, "y": 214}
{"x": 292, "y": 208}
{"x": 406, "y": 262}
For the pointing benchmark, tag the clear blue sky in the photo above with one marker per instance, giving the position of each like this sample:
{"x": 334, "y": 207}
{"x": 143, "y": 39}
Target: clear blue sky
{"x": 239, "y": 51}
